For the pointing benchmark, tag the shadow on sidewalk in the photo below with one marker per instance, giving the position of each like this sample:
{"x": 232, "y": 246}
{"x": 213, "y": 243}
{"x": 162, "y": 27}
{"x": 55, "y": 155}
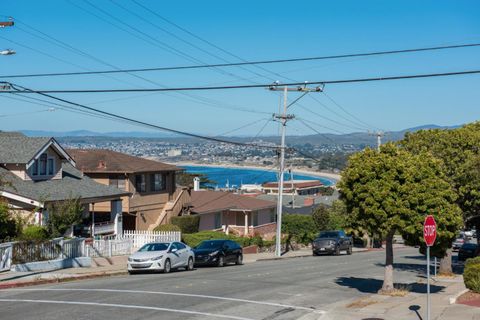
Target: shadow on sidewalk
{"x": 15, "y": 277}
{"x": 369, "y": 285}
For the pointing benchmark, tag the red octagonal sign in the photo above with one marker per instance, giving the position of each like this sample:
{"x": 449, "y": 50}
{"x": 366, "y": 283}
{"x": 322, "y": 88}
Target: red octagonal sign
{"x": 429, "y": 230}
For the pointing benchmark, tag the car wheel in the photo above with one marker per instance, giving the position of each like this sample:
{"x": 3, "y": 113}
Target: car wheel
{"x": 349, "y": 250}
{"x": 239, "y": 260}
{"x": 190, "y": 264}
{"x": 221, "y": 261}
{"x": 131, "y": 272}
{"x": 337, "y": 250}
{"x": 167, "y": 267}
{"x": 314, "y": 254}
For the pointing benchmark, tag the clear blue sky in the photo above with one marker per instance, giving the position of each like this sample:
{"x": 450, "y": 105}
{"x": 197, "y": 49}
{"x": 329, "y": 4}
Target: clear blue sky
{"x": 253, "y": 30}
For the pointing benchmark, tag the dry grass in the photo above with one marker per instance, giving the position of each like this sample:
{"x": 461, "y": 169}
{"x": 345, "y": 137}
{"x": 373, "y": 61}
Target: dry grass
{"x": 447, "y": 275}
{"x": 399, "y": 291}
{"x": 361, "y": 303}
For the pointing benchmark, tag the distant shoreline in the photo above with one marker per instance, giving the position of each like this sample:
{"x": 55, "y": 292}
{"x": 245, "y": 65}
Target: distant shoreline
{"x": 327, "y": 175}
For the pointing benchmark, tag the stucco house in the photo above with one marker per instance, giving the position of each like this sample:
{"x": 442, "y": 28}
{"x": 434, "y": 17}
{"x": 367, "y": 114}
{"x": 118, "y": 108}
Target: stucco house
{"x": 234, "y": 213}
{"x": 155, "y": 197}
{"x": 38, "y": 171}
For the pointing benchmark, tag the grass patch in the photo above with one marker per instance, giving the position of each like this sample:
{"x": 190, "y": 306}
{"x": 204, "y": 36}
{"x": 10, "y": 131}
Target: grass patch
{"x": 361, "y": 303}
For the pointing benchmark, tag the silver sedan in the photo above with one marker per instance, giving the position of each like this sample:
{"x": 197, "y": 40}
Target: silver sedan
{"x": 161, "y": 256}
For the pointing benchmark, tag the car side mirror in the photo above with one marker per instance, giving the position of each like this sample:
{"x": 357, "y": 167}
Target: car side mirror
{"x": 173, "y": 250}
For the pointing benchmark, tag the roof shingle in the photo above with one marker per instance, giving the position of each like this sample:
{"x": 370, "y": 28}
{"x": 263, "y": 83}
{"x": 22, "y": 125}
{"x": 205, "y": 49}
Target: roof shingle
{"x": 206, "y": 201}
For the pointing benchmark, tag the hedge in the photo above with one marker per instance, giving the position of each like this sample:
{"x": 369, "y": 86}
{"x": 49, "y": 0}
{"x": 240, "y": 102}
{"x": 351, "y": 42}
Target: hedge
{"x": 187, "y": 224}
{"x": 34, "y": 233}
{"x": 167, "y": 228}
{"x": 471, "y": 274}
{"x": 193, "y": 239}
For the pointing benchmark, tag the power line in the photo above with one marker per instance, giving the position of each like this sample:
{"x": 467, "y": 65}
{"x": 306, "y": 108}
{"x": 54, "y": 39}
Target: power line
{"x": 142, "y": 123}
{"x": 330, "y": 119}
{"x": 221, "y": 65}
{"x": 250, "y": 86}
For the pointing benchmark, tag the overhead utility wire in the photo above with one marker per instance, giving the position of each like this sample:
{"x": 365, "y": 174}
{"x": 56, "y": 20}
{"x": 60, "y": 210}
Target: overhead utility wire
{"x": 249, "y": 86}
{"x": 241, "y": 63}
{"x": 142, "y": 123}
{"x": 330, "y": 119}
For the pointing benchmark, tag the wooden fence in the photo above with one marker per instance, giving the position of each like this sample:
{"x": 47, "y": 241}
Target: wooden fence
{"x": 139, "y": 238}
{"x": 34, "y": 251}
{"x": 5, "y": 256}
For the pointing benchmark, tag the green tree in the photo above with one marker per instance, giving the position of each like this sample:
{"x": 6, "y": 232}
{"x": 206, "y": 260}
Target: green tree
{"x": 330, "y": 218}
{"x": 298, "y": 228}
{"x": 62, "y": 215}
{"x": 9, "y": 226}
{"x": 459, "y": 153}
{"x": 391, "y": 191}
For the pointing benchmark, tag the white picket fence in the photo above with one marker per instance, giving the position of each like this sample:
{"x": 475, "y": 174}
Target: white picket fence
{"x": 127, "y": 243}
{"x": 140, "y": 238}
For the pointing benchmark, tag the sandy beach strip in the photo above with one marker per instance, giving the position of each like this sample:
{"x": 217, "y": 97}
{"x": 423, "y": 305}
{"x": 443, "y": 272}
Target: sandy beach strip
{"x": 327, "y": 175}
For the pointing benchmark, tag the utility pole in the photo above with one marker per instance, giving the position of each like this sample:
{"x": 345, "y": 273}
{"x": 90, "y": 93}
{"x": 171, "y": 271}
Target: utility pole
{"x": 283, "y": 119}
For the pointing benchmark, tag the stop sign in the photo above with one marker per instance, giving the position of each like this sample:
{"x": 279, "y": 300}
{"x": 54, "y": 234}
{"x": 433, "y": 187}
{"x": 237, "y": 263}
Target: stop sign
{"x": 429, "y": 230}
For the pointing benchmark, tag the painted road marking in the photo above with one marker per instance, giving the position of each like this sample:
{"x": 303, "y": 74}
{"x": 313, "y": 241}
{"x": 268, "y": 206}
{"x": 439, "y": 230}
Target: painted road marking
{"x": 177, "y": 294}
{"x": 125, "y": 306}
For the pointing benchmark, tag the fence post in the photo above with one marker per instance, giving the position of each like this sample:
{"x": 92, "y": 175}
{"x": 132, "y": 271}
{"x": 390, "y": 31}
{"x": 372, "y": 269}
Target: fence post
{"x": 109, "y": 248}
{"x": 61, "y": 249}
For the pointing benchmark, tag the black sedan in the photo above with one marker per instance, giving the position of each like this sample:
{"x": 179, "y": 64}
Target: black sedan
{"x": 217, "y": 253}
{"x": 468, "y": 250}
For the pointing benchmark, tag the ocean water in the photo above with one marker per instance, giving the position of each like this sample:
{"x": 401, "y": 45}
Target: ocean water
{"x": 238, "y": 176}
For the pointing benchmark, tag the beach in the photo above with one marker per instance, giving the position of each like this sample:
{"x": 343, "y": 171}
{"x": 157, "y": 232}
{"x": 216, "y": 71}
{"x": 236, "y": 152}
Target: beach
{"x": 328, "y": 175}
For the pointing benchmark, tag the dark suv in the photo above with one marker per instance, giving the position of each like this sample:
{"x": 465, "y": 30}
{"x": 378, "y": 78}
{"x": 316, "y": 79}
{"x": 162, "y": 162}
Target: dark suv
{"x": 218, "y": 252}
{"x": 332, "y": 242}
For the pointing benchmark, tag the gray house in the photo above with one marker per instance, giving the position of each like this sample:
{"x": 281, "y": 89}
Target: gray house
{"x": 37, "y": 171}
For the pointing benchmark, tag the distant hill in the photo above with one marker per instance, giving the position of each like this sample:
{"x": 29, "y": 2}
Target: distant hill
{"x": 355, "y": 138}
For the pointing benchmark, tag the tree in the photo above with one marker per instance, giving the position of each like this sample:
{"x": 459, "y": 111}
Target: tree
{"x": 459, "y": 152}
{"x": 391, "y": 191}
{"x": 9, "y": 226}
{"x": 330, "y": 218}
{"x": 62, "y": 215}
{"x": 299, "y": 228}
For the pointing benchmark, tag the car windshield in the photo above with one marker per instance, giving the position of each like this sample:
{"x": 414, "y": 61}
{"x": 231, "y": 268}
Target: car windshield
{"x": 327, "y": 234}
{"x": 469, "y": 246}
{"x": 154, "y": 247}
{"x": 210, "y": 245}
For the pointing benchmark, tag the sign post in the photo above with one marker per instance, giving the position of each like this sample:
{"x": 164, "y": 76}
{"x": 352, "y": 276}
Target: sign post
{"x": 429, "y": 234}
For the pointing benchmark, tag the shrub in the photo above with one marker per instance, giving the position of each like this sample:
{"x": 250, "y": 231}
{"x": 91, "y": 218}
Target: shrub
{"x": 193, "y": 239}
{"x": 167, "y": 228}
{"x": 299, "y": 228}
{"x": 63, "y": 215}
{"x": 471, "y": 274}
{"x": 9, "y": 227}
{"x": 187, "y": 224}
{"x": 34, "y": 233}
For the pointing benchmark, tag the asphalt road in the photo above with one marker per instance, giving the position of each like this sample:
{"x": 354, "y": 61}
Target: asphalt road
{"x": 282, "y": 289}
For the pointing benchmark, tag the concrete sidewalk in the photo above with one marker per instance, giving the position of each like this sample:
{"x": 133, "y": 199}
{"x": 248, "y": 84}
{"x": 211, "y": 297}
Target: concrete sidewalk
{"x": 413, "y": 306}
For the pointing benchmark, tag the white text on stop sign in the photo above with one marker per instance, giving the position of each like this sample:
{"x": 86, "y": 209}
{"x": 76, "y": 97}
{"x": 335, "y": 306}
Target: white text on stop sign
{"x": 429, "y": 230}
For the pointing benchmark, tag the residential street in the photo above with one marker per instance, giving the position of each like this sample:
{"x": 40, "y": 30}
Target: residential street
{"x": 304, "y": 288}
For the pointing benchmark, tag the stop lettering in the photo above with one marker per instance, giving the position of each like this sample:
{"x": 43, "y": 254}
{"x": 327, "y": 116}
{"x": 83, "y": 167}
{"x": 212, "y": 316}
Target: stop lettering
{"x": 429, "y": 230}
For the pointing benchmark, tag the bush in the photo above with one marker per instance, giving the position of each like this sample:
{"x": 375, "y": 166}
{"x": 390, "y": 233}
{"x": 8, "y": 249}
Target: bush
{"x": 34, "y": 233}
{"x": 167, "y": 228}
{"x": 471, "y": 274}
{"x": 299, "y": 228}
{"x": 193, "y": 239}
{"x": 187, "y": 224}
{"x": 9, "y": 227}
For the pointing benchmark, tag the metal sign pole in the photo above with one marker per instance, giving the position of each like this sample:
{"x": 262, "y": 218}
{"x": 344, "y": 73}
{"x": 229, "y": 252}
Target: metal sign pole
{"x": 428, "y": 282}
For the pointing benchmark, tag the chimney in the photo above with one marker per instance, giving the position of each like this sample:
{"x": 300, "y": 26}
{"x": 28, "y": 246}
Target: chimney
{"x": 196, "y": 184}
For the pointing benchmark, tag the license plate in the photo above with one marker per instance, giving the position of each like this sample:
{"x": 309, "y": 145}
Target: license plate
{"x": 322, "y": 249}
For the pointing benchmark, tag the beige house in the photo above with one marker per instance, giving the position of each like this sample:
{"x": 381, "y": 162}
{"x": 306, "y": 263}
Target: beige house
{"x": 38, "y": 171}
{"x": 234, "y": 213}
{"x": 154, "y": 199}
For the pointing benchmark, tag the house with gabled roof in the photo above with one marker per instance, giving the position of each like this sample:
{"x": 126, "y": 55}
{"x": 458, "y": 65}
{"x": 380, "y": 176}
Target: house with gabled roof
{"x": 155, "y": 197}
{"x": 36, "y": 171}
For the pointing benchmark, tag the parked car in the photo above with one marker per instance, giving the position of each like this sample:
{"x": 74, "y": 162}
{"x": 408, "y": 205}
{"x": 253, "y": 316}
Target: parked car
{"x": 332, "y": 242}
{"x": 218, "y": 252}
{"x": 458, "y": 243}
{"x": 468, "y": 250}
{"x": 161, "y": 256}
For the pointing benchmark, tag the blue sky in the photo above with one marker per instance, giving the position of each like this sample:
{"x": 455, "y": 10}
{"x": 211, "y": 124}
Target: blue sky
{"x": 252, "y": 30}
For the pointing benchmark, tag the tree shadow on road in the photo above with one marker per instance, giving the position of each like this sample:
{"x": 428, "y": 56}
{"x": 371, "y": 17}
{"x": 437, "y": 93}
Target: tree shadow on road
{"x": 370, "y": 285}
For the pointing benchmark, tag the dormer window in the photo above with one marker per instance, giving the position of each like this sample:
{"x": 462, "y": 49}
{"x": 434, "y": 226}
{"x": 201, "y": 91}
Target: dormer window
{"x": 43, "y": 166}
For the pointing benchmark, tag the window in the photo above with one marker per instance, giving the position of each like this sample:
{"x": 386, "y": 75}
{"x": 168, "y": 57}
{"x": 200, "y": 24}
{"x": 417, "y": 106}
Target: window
{"x": 35, "y": 168}
{"x": 157, "y": 182}
{"x": 255, "y": 219}
{"x": 140, "y": 183}
{"x": 180, "y": 246}
{"x": 273, "y": 215}
{"x": 42, "y": 163}
{"x": 117, "y": 181}
{"x": 50, "y": 166}
{"x": 218, "y": 220}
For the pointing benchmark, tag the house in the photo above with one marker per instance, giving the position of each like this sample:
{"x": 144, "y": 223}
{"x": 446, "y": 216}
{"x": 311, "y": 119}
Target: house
{"x": 234, "y": 213}
{"x": 37, "y": 172}
{"x": 155, "y": 197}
{"x": 298, "y": 187}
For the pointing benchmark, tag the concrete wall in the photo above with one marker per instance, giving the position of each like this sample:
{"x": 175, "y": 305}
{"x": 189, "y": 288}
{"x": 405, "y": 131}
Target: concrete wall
{"x": 53, "y": 264}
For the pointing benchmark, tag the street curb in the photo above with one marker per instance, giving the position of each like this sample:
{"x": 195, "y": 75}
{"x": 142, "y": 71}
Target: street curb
{"x": 59, "y": 280}
{"x": 453, "y": 299}
{"x": 281, "y": 258}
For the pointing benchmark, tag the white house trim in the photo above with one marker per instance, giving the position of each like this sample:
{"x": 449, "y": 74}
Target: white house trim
{"x": 57, "y": 148}
{"x": 19, "y": 198}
